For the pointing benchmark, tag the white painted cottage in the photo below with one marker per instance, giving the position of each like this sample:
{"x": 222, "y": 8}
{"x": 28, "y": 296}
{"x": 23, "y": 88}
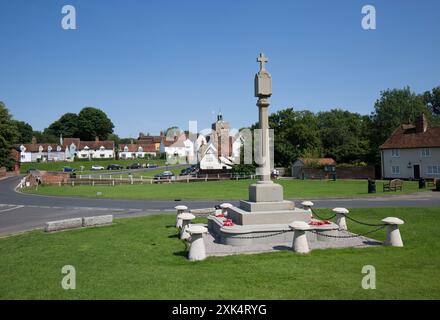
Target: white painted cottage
{"x": 412, "y": 152}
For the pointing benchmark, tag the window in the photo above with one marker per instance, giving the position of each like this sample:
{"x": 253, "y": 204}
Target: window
{"x": 426, "y": 152}
{"x": 395, "y": 153}
{"x": 433, "y": 169}
{"x": 395, "y": 170}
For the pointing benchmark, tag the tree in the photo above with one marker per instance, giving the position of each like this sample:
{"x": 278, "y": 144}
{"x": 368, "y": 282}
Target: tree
{"x": 114, "y": 137}
{"x": 66, "y": 125}
{"x": 295, "y": 134}
{"x": 93, "y": 123}
{"x": 432, "y": 100}
{"x": 394, "y": 108}
{"x": 344, "y": 135}
{"x": 45, "y": 137}
{"x": 8, "y": 136}
{"x": 25, "y": 131}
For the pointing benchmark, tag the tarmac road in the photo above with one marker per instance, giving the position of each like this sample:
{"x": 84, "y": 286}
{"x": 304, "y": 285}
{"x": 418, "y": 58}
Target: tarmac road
{"x": 21, "y": 212}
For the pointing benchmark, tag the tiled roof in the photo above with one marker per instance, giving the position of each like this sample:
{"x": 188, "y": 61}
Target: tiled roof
{"x": 68, "y": 141}
{"x": 30, "y": 147}
{"x": 406, "y": 137}
{"x": 95, "y": 145}
{"x": 320, "y": 161}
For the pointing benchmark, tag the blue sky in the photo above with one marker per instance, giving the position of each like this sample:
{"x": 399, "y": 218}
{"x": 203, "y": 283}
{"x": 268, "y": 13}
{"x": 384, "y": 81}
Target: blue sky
{"x": 153, "y": 64}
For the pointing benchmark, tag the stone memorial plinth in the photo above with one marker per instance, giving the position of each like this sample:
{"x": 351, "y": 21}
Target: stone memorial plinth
{"x": 265, "y": 211}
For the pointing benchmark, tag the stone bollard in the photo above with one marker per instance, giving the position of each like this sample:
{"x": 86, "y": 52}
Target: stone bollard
{"x": 393, "y": 234}
{"x": 197, "y": 249}
{"x": 180, "y": 209}
{"x": 307, "y": 205}
{"x": 225, "y": 207}
{"x": 340, "y": 218}
{"x": 186, "y": 219}
{"x": 300, "y": 244}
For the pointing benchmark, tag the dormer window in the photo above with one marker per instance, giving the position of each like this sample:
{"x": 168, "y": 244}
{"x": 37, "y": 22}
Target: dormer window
{"x": 86, "y": 148}
{"x": 102, "y": 148}
{"x": 125, "y": 149}
{"x": 40, "y": 149}
{"x": 58, "y": 148}
{"x": 22, "y": 148}
{"x": 140, "y": 149}
{"x": 49, "y": 148}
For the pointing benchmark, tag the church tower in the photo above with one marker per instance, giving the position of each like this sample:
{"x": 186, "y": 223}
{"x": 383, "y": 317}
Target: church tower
{"x": 220, "y": 135}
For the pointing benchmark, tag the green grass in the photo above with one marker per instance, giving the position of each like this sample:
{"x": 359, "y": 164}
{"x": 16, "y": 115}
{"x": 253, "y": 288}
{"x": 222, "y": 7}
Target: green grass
{"x": 141, "y": 258}
{"x": 222, "y": 190}
{"x": 58, "y": 166}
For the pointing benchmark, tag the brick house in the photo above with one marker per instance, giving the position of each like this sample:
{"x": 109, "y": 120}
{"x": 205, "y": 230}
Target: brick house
{"x": 412, "y": 152}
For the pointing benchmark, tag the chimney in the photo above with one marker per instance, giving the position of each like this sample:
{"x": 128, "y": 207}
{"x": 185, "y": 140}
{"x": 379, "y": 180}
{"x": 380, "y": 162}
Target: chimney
{"x": 97, "y": 139}
{"x": 34, "y": 140}
{"x": 421, "y": 124}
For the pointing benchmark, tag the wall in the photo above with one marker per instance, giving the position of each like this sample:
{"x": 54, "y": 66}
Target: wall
{"x": 2, "y": 172}
{"x": 47, "y": 177}
{"x": 341, "y": 173}
{"x": 409, "y": 155}
{"x": 367, "y": 172}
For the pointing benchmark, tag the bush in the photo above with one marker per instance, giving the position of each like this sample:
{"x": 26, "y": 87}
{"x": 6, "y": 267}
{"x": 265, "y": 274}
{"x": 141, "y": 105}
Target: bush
{"x": 243, "y": 169}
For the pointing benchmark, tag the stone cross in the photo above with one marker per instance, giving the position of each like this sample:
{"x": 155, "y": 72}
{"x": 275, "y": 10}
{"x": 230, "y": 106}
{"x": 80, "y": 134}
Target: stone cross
{"x": 263, "y": 90}
{"x": 262, "y": 59}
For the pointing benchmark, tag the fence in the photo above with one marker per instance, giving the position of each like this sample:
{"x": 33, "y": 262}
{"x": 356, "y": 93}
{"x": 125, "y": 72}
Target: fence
{"x": 112, "y": 180}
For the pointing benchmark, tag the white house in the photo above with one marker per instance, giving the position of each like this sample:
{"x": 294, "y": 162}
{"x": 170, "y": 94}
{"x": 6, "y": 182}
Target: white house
{"x": 66, "y": 150}
{"x": 412, "y": 152}
{"x": 211, "y": 161}
{"x": 136, "y": 150}
{"x": 179, "y": 148}
{"x": 43, "y": 152}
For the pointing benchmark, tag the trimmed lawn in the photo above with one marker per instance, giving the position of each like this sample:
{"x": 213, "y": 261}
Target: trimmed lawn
{"x": 141, "y": 258}
{"x": 58, "y": 166}
{"x": 221, "y": 190}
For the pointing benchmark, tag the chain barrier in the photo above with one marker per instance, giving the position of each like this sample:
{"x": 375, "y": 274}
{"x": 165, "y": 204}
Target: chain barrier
{"x": 350, "y": 218}
{"x": 264, "y": 236}
{"x": 365, "y": 223}
{"x": 316, "y": 215}
{"x": 347, "y": 236}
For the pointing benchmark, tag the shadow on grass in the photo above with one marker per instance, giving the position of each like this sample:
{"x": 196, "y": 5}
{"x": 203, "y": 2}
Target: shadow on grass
{"x": 183, "y": 254}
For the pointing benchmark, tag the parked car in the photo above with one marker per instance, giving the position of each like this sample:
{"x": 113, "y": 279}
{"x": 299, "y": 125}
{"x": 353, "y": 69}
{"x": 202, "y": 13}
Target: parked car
{"x": 30, "y": 170}
{"x": 164, "y": 175}
{"x": 68, "y": 169}
{"x": 186, "y": 171}
{"x": 114, "y": 167}
{"x": 151, "y": 165}
{"x": 134, "y": 166}
{"x": 96, "y": 167}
